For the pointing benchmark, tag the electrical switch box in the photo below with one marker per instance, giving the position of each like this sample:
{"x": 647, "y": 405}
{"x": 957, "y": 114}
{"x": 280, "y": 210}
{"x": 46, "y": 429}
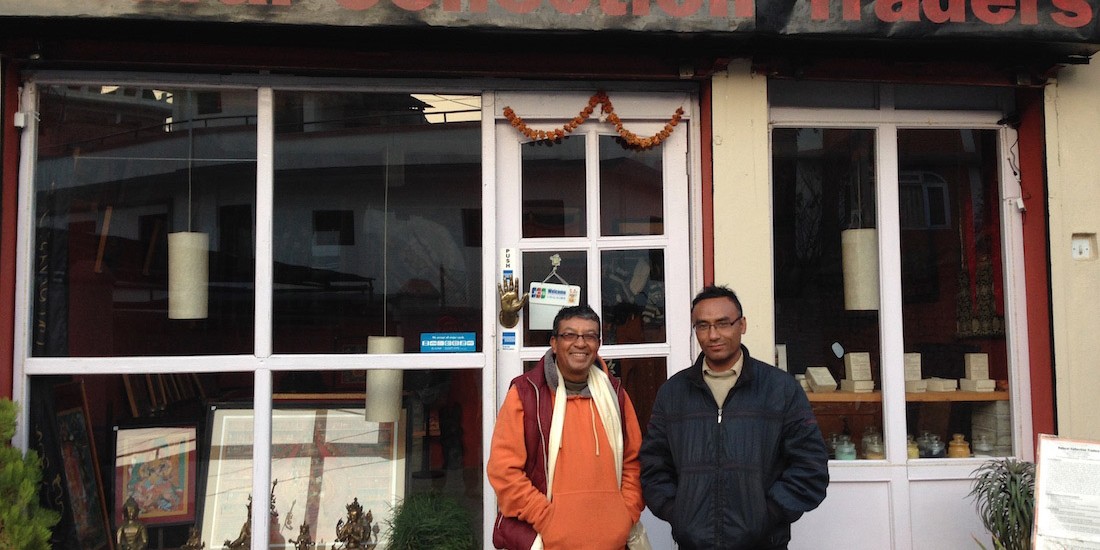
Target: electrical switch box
{"x": 1083, "y": 246}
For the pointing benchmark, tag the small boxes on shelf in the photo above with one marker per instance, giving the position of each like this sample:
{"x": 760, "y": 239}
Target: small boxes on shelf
{"x": 857, "y": 386}
{"x": 977, "y": 366}
{"x": 821, "y": 380}
{"x": 977, "y": 374}
{"x": 857, "y": 366}
{"x": 987, "y": 385}
{"x": 936, "y": 384}
{"x": 916, "y": 386}
{"x": 912, "y": 366}
{"x": 802, "y": 381}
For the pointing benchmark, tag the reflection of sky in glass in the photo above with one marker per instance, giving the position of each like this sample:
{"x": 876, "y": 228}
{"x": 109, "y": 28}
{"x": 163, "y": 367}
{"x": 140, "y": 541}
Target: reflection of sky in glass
{"x": 450, "y": 108}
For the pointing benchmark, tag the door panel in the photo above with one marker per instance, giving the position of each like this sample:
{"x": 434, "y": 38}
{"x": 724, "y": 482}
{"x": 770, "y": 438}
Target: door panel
{"x": 592, "y": 211}
{"x": 613, "y": 217}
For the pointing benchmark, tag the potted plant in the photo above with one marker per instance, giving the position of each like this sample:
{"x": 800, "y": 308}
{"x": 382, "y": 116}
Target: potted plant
{"x": 1003, "y": 491}
{"x": 24, "y": 523}
{"x": 430, "y": 520}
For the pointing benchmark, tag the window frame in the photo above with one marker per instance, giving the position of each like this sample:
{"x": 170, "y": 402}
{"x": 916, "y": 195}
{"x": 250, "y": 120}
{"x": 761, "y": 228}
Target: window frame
{"x": 262, "y": 362}
{"x": 886, "y": 122}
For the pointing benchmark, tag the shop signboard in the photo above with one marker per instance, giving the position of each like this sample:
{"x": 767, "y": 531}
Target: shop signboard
{"x": 1043, "y": 21}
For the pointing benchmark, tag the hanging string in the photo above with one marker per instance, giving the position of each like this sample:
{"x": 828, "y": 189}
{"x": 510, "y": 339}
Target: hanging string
{"x": 385, "y": 242}
{"x": 190, "y": 161}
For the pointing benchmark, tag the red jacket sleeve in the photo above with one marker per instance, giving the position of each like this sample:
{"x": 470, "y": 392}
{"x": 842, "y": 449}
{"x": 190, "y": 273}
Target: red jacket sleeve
{"x": 516, "y": 496}
{"x": 632, "y": 468}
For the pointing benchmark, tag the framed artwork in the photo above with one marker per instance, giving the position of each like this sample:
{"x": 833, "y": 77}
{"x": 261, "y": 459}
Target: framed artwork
{"x": 323, "y": 456}
{"x": 156, "y": 466}
{"x": 79, "y": 464}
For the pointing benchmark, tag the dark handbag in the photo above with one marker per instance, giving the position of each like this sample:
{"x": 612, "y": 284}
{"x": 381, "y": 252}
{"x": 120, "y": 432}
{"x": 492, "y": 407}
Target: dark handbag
{"x": 510, "y": 533}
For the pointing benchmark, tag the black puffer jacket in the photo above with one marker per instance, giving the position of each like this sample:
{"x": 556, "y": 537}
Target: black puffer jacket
{"x": 736, "y": 476}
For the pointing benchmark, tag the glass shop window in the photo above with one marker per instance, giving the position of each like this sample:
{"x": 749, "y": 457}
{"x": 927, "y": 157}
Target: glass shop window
{"x": 377, "y": 227}
{"x": 143, "y": 437}
{"x": 144, "y": 220}
{"x": 826, "y": 281}
{"x": 415, "y": 434}
{"x": 952, "y": 283}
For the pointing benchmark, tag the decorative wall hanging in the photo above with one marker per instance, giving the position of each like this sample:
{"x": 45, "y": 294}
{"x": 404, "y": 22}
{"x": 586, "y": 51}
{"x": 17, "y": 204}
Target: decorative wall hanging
{"x": 608, "y": 111}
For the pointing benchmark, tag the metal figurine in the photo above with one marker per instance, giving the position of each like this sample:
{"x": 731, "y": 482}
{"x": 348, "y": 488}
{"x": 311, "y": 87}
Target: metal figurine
{"x": 131, "y": 535}
{"x": 357, "y": 533}
{"x": 244, "y": 539}
{"x": 304, "y": 540}
{"x": 194, "y": 542}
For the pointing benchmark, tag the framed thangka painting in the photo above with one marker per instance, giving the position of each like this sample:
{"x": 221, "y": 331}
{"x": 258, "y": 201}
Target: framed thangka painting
{"x": 323, "y": 457}
{"x": 79, "y": 463}
{"x": 156, "y": 466}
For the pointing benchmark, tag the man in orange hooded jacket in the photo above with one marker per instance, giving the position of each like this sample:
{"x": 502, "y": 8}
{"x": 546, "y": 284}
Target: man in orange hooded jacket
{"x": 565, "y": 449}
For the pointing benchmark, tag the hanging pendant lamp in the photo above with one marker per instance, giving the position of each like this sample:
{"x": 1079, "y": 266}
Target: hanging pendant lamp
{"x": 384, "y": 385}
{"x": 859, "y": 253}
{"x": 188, "y": 260}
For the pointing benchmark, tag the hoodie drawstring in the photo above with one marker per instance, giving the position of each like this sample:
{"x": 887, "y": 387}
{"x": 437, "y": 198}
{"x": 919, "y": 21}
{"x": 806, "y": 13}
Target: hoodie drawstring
{"x": 595, "y": 434}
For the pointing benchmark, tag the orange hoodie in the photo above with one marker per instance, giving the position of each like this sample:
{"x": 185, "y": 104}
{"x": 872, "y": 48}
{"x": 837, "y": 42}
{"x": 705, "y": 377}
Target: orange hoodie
{"x": 589, "y": 510}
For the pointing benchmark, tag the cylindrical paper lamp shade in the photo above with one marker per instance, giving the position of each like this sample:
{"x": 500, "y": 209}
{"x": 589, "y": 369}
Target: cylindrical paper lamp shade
{"x": 859, "y": 252}
{"x": 188, "y": 275}
{"x": 384, "y": 385}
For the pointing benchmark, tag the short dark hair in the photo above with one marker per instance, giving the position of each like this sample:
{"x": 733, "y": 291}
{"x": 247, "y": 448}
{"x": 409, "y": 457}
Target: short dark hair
{"x": 583, "y": 311}
{"x": 717, "y": 291}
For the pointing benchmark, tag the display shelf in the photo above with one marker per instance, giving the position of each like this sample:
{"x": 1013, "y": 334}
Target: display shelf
{"x": 912, "y": 397}
{"x": 936, "y": 396}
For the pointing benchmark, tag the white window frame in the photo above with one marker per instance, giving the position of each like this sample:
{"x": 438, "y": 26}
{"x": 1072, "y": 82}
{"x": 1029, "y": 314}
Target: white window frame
{"x": 886, "y": 122}
{"x": 262, "y": 363}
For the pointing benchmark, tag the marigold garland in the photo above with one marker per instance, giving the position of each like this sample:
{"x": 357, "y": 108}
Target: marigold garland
{"x": 606, "y": 108}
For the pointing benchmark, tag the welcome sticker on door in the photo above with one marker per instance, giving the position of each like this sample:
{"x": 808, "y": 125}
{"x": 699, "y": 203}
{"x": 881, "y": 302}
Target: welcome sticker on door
{"x": 546, "y": 299}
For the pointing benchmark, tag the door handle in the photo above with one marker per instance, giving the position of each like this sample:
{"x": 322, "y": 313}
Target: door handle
{"x": 511, "y": 302}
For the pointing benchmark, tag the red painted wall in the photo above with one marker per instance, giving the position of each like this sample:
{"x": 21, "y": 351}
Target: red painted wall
{"x": 1037, "y": 260}
{"x": 9, "y": 180}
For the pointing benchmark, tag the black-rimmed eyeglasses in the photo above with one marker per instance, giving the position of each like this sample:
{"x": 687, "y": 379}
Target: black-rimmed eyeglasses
{"x": 722, "y": 326}
{"x": 570, "y": 337}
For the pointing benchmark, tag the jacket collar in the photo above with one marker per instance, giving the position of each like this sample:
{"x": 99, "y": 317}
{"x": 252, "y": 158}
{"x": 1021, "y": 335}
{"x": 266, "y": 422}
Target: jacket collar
{"x": 748, "y": 369}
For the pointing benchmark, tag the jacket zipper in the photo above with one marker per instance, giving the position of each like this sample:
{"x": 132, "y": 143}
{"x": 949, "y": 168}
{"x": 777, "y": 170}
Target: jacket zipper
{"x": 719, "y": 415}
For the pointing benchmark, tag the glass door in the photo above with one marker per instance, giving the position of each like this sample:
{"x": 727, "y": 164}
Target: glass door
{"x": 606, "y": 219}
{"x": 603, "y": 219}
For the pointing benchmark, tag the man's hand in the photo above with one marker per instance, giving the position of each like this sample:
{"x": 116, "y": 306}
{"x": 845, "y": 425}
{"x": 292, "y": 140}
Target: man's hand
{"x": 510, "y": 302}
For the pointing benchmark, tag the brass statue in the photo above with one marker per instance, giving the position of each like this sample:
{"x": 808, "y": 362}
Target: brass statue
{"x": 357, "y": 532}
{"x": 131, "y": 535}
{"x": 244, "y": 539}
{"x": 194, "y": 542}
{"x": 511, "y": 301}
{"x": 304, "y": 540}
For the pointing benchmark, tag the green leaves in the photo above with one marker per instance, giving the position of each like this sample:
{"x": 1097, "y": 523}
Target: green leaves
{"x": 430, "y": 520}
{"x": 1003, "y": 491}
{"x": 24, "y": 524}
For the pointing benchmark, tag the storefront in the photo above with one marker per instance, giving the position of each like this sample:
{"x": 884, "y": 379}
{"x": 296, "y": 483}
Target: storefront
{"x": 271, "y": 260}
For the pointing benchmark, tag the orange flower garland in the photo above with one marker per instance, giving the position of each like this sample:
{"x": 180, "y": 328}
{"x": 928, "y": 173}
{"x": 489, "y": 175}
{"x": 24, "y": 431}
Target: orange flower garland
{"x": 599, "y": 98}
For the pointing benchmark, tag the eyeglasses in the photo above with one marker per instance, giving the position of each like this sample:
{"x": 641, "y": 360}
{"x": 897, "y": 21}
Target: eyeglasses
{"x": 570, "y": 337}
{"x": 722, "y": 326}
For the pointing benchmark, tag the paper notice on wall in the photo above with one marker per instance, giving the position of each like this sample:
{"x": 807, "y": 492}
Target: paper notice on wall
{"x": 1067, "y": 494}
{"x": 546, "y": 299}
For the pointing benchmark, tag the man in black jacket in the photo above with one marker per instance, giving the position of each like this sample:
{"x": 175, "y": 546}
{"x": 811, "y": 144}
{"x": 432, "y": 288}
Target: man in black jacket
{"x": 733, "y": 454}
